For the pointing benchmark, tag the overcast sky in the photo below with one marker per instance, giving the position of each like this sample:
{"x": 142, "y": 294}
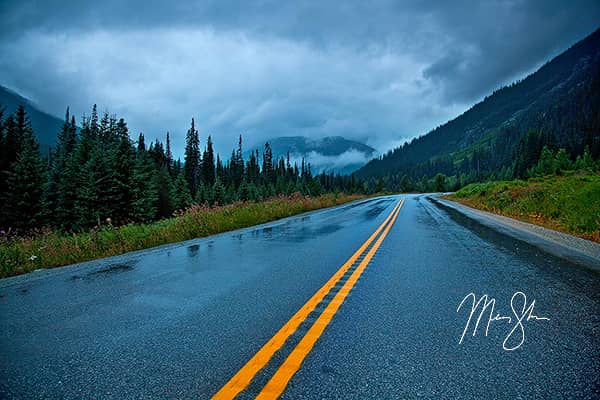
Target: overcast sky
{"x": 379, "y": 71}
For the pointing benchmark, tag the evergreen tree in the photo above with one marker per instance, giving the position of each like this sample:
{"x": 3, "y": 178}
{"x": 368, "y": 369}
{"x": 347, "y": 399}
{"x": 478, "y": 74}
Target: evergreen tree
{"x": 25, "y": 180}
{"x": 220, "y": 169}
{"x": 12, "y": 143}
{"x": 219, "y": 194}
{"x": 181, "y": 195}
{"x": 192, "y": 159}
{"x": 546, "y": 164}
{"x": 141, "y": 146}
{"x": 208, "y": 164}
{"x": 244, "y": 191}
{"x": 237, "y": 165}
{"x": 122, "y": 164}
{"x": 143, "y": 188}
{"x": 169, "y": 154}
{"x": 267, "y": 167}
{"x": 9, "y": 150}
{"x": 68, "y": 189}
{"x": 164, "y": 193}
{"x": 65, "y": 148}
{"x": 439, "y": 183}
{"x": 202, "y": 196}
{"x": 252, "y": 168}
{"x": 562, "y": 161}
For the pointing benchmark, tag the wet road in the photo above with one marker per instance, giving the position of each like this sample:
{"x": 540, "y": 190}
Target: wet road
{"x": 180, "y": 321}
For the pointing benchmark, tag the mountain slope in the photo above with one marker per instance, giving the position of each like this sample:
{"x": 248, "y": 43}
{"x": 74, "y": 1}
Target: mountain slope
{"x": 560, "y": 102}
{"x": 332, "y": 153}
{"x": 45, "y": 126}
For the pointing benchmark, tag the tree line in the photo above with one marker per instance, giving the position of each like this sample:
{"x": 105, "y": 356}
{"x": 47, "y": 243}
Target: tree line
{"x": 96, "y": 174}
{"x": 567, "y": 120}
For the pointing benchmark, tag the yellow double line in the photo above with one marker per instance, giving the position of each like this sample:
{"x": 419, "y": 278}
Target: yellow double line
{"x": 286, "y": 371}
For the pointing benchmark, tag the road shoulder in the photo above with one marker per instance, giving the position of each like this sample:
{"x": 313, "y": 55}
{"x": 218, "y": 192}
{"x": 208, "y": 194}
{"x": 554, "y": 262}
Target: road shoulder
{"x": 580, "y": 251}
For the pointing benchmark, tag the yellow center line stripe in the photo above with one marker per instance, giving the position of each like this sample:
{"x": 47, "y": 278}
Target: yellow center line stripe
{"x": 245, "y": 375}
{"x": 275, "y": 387}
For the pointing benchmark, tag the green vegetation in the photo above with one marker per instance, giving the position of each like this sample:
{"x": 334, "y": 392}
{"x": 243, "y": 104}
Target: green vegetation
{"x": 99, "y": 174}
{"x": 502, "y": 137}
{"x": 568, "y": 203}
{"x": 50, "y": 249}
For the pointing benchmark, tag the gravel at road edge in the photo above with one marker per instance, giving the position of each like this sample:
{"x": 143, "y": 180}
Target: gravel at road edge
{"x": 580, "y": 251}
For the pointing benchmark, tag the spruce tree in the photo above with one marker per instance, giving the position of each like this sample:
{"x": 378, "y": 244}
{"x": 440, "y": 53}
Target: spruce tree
{"x": 208, "y": 164}
{"x": 267, "y": 167}
{"x": 7, "y": 149}
{"x": 192, "y": 159}
{"x": 169, "y": 154}
{"x": 220, "y": 169}
{"x": 65, "y": 147}
{"x": 237, "y": 165}
{"x": 219, "y": 194}
{"x": 181, "y": 195}
{"x": 244, "y": 191}
{"x": 164, "y": 193}
{"x": 141, "y": 145}
{"x": 122, "y": 163}
{"x": 144, "y": 195}
{"x": 25, "y": 179}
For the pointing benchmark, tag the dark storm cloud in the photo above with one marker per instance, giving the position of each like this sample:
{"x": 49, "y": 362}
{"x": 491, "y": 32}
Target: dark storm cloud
{"x": 378, "y": 71}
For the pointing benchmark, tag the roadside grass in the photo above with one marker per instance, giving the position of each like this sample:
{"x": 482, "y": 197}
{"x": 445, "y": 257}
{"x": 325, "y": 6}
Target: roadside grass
{"x": 52, "y": 249}
{"x": 569, "y": 203}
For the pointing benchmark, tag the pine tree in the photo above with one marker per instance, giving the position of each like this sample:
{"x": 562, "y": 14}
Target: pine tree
{"x": 25, "y": 180}
{"x": 164, "y": 193}
{"x": 12, "y": 143}
{"x": 562, "y": 161}
{"x": 219, "y": 194}
{"x": 546, "y": 164}
{"x": 7, "y": 150}
{"x": 244, "y": 191}
{"x": 181, "y": 195}
{"x": 220, "y": 169}
{"x": 192, "y": 159}
{"x": 201, "y": 195}
{"x": 252, "y": 168}
{"x": 144, "y": 195}
{"x": 169, "y": 154}
{"x": 267, "y": 167}
{"x": 208, "y": 164}
{"x": 68, "y": 195}
{"x": 141, "y": 145}
{"x": 65, "y": 148}
{"x": 122, "y": 163}
{"x": 237, "y": 165}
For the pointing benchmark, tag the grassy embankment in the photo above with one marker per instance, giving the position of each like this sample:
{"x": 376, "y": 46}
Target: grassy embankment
{"x": 18, "y": 256}
{"x": 569, "y": 204}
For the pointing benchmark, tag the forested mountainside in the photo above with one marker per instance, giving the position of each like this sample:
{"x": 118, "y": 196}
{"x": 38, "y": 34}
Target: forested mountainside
{"x": 45, "y": 126}
{"x": 503, "y": 136}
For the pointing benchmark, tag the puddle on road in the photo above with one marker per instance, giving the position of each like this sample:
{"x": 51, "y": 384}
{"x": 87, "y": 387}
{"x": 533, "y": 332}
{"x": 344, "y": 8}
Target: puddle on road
{"x": 113, "y": 269}
{"x": 116, "y": 268}
{"x": 373, "y": 212}
{"x": 192, "y": 251}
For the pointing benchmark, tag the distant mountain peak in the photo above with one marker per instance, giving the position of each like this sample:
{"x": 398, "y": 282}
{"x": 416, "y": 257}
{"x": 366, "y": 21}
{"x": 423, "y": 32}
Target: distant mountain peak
{"x": 327, "y": 154}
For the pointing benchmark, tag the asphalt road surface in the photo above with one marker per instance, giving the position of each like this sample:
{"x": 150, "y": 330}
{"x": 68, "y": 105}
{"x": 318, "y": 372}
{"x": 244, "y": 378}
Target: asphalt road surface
{"x": 354, "y": 302}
